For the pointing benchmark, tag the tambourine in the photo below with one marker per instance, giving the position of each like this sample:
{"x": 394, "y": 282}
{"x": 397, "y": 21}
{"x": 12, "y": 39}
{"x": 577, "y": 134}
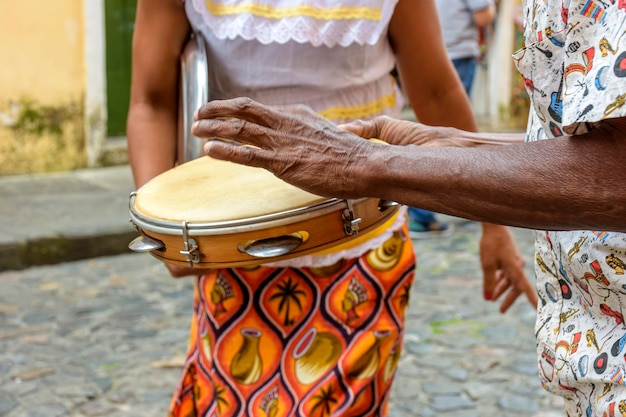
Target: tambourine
{"x": 208, "y": 213}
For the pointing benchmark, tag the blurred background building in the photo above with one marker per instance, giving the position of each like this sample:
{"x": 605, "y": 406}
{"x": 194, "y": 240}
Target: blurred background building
{"x": 499, "y": 97}
{"x": 64, "y": 82}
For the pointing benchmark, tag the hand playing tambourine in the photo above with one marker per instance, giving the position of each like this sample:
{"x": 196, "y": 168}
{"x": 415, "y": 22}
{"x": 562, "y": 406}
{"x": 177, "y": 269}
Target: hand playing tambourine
{"x": 306, "y": 150}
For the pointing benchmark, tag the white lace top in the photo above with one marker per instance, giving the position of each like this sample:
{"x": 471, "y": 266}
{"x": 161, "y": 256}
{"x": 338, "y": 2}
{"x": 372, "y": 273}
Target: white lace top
{"x": 332, "y": 55}
{"x": 279, "y": 52}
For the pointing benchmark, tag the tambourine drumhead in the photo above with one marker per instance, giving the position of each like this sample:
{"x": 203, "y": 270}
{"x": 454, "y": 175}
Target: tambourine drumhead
{"x": 209, "y": 213}
{"x": 208, "y": 190}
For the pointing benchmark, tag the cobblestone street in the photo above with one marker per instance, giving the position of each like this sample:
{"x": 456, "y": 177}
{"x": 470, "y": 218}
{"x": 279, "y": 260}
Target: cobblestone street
{"x": 106, "y": 337}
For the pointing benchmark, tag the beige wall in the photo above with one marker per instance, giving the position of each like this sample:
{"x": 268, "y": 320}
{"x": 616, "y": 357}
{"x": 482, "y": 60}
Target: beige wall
{"x": 42, "y": 50}
{"x": 43, "y": 75}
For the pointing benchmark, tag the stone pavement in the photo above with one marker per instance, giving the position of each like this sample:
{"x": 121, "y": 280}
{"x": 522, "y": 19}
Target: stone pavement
{"x": 105, "y": 337}
{"x": 65, "y": 216}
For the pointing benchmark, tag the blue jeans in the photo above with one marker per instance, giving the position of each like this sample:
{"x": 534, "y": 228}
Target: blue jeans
{"x": 421, "y": 216}
{"x": 466, "y": 68}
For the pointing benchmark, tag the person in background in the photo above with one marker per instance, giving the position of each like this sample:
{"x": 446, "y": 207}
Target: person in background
{"x": 462, "y": 22}
{"x": 566, "y": 182}
{"x": 424, "y": 224}
{"x": 322, "y": 332}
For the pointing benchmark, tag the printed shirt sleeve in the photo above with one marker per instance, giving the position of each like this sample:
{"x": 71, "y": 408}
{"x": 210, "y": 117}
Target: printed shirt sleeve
{"x": 594, "y": 69}
{"x": 574, "y": 66}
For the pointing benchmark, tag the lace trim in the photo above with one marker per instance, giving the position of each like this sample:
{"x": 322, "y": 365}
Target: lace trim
{"x": 303, "y": 23}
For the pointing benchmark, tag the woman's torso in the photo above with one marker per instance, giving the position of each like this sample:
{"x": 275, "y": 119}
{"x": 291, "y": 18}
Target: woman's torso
{"x": 334, "y": 57}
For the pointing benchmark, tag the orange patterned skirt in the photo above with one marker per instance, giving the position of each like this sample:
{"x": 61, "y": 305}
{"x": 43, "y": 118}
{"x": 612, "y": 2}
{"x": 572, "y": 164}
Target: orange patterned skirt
{"x": 277, "y": 342}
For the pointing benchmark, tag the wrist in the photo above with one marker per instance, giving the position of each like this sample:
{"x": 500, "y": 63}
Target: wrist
{"x": 490, "y": 227}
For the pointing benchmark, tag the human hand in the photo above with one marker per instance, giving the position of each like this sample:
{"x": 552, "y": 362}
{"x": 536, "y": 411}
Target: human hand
{"x": 293, "y": 142}
{"x": 302, "y": 148}
{"x": 404, "y": 132}
{"x": 503, "y": 268}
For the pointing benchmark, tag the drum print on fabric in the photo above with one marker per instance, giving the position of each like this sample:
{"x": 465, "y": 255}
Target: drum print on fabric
{"x": 573, "y": 80}
{"x": 285, "y": 342}
{"x": 580, "y": 326}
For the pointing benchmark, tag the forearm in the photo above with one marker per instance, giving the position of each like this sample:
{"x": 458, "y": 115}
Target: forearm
{"x": 161, "y": 29}
{"x": 551, "y": 184}
{"x": 151, "y": 141}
